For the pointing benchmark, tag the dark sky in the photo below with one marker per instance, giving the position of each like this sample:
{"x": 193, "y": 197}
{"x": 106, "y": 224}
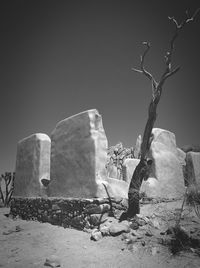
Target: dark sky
{"x": 59, "y": 58}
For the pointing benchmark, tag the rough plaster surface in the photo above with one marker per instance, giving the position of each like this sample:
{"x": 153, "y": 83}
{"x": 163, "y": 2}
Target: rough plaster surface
{"x": 167, "y": 178}
{"x": 181, "y": 156}
{"x": 112, "y": 171}
{"x": 130, "y": 164}
{"x": 138, "y": 146}
{"x": 116, "y": 188}
{"x": 78, "y": 155}
{"x": 32, "y": 165}
{"x": 78, "y": 159}
{"x": 193, "y": 168}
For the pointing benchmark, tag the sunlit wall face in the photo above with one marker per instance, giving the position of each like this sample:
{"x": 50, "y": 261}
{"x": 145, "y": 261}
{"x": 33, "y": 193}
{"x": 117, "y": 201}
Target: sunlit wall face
{"x": 59, "y": 58}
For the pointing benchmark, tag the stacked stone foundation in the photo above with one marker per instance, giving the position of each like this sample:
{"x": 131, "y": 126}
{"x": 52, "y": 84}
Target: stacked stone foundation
{"x": 67, "y": 212}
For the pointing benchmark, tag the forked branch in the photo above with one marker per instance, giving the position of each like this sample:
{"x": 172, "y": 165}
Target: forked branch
{"x": 168, "y": 57}
{"x": 144, "y": 71}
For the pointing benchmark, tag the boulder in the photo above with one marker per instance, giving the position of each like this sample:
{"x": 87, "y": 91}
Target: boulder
{"x": 193, "y": 168}
{"x": 96, "y": 235}
{"x": 104, "y": 230}
{"x": 117, "y": 228}
{"x": 53, "y": 261}
{"x": 166, "y": 177}
{"x": 164, "y": 139}
{"x": 96, "y": 219}
{"x": 32, "y": 166}
{"x": 79, "y": 157}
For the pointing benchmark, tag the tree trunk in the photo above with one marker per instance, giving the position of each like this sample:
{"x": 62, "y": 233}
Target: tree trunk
{"x": 143, "y": 168}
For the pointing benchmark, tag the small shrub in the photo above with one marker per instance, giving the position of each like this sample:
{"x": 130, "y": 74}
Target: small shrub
{"x": 193, "y": 198}
{"x": 6, "y": 188}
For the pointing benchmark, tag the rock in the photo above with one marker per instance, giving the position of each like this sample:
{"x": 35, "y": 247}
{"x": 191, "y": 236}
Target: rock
{"x": 128, "y": 238}
{"x": 105, "y": 230}
{"x": 95, "y": 209}
{"x": 95, "y": 219}
{"x": 32, "y": 166}
{"x": 155, "y": 222}
{"x": 96, "y": 235}
{"x": 181, "y": 156}
{"x": 148, "y": 233}
{"x": 55, "y": 207}
{"x": 116, "y": 228}
{"x": 78, "y": 222}
{"x": 134, "y": 225}
{"x": 52, "y": 261}
{"x": 193, "y": 168}
{"x": 143, "y": 218}
{"x": 141, "y": 222}
{"x": 166, "y": 177}
{"x": 18, "y": 228}
{"x": 137, "y": 234}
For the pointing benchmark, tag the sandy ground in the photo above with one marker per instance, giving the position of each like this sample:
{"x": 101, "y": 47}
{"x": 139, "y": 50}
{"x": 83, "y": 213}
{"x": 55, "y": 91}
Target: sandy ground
{"x": 27, "y": 244}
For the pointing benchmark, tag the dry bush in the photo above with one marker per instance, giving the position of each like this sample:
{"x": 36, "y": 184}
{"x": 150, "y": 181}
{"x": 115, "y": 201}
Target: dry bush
{"x": 6, "y": 187}
{"x": 193, "y": 197}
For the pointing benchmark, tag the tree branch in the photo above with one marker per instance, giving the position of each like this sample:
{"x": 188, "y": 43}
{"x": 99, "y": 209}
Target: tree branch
{"x": 168, "y": 57}
{"x": 144, "y": 71}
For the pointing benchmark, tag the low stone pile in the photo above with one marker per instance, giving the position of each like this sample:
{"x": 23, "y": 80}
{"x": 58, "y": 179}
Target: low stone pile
{"x": 68, "y": 212}
{"x": 152, "y": 231}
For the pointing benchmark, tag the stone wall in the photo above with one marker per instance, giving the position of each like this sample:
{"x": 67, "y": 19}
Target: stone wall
{"x": 67, "y": 212}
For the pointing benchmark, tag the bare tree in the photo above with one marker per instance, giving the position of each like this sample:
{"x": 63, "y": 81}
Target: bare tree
{"x": 142, "y": 170}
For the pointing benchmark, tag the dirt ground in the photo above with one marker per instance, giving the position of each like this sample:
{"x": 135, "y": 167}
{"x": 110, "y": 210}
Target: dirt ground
{"x": 27, "y": 244}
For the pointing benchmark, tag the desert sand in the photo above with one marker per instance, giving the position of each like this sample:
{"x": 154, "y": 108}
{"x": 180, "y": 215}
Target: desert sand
{"x": 27, "y": 244}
